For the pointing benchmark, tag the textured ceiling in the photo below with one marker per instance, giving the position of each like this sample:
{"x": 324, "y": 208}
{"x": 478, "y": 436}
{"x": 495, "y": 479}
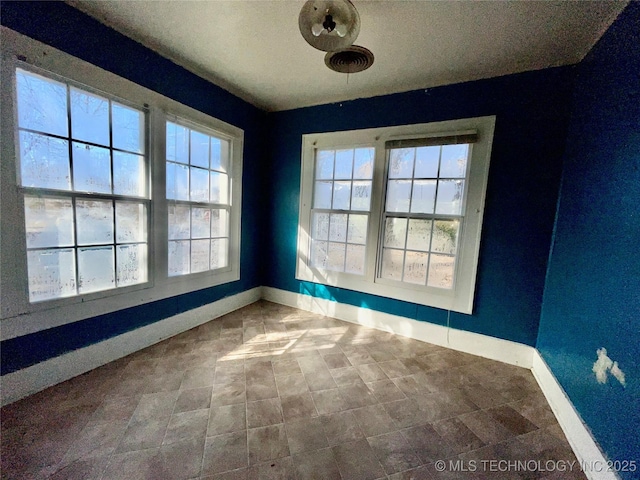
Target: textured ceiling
{"x": 253, "y": 48}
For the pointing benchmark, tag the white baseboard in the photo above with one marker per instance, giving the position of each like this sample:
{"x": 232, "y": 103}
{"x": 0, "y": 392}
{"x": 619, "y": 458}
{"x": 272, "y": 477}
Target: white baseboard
{"x": 584, "y": 446}
{"x": 21, "y": 383}
{"x": 474, "y": 343}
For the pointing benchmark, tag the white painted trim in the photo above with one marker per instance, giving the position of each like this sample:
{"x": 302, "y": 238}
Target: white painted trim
{"x": 21, "y": 383}
{"x": 584, "y": 446}
{"x": 474, "y": 343}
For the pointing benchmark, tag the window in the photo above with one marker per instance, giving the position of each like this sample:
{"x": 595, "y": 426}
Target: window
{"x": 112, "y": 195}
{"x": 198, "y": 190}
{"x": 84, "y": 176}
{"x": 396, "y": 211}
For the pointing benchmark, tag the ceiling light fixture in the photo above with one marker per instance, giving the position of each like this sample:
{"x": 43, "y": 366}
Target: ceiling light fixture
{"x": 329, "y": 25}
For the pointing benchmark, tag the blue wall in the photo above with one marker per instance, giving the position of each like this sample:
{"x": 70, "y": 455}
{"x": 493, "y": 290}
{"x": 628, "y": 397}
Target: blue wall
{"x": 69, "y": 30}
{"x": 532, "y": 112}
{"x": 592, "y": 295}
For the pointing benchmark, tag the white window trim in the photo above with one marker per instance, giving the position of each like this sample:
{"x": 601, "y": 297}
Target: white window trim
{"x": 18, "y": 316}
{"x": 460, "y": 298}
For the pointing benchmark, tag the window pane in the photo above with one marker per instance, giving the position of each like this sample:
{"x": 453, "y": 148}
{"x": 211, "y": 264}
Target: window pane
{"x": 48, "y": 221}
{"x": 427, "y": 162}
{"x": 344, "y": 164}
{"x": 454, "y": 161}
{"x": 319, "y": 254}
{"x": 419, "y": 235}
{"x": 177, "y": 143}
{"x": 336, "y": 257}
{"x": 42, "y": 104}
{"x": 445, "y": 236}
{"x": 320, "y": 226}
{"x": 449, "y": 201}
{"x": 392, "y": 264}
{"x": 219, "y": 154}
{"x": 401, "y": 162}
{"x": 44, "y": 162}
{"x": 131, "y": 222}
{"x": 357, "y": 230}
{"x": 179, "y": 222}
{"x": 219, "y": 253}
{"x": 219, "y": 188}
{"x": 219, "y": 223}
{"x": 423, "y": 197}
{"x": 338, "y": 227}
{"x": 200, "y": 250}
{"x": 324, "y": 165}
{"x": 94, "y": 220}
{"x": 91, "y": 168}
{"x": 177, "y": 181}
{"x": 200, "y": 184}
{"x": 322, "y": 195}
{"x": 199, "y": 149}
{"x": 129, "y": 175}
{"x": 89, "y": 117}
{"x": 355, "y": 259}
{"x": 398, "y": 195}
{"x": 361, "y": 196}
{"x": 363, "y": 167}
{"x": 200, "y": 223}
{"x": 179, "y": 257}
{"x": 341, "y": 195}
{"x": 52, "y": 274}
{"x": 95, "y": 269}
{"x": 127, "y": 128}
{"x": 415, "y": 268}
{"x": 441, "y": 271}
{"x": 395, "y": 232}
{"x": 131, "y": 264}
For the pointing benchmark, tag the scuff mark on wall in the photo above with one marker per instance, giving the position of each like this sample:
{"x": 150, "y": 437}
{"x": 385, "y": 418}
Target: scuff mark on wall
{"x": 604, "y": 365}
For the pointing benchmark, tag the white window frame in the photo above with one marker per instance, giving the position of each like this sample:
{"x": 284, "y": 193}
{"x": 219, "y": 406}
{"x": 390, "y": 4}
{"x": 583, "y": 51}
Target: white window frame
{"x": 17, "y": 314}
{"x": 460, "y": 297}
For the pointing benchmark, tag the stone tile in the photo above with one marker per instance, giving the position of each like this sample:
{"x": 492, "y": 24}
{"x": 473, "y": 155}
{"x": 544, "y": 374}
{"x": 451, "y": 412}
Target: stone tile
{"x": 485, "y": 427}
{"x": 187, "y": 425}
{"x": 264, "y": 412}
{"x": 197, "y": 378}
{"x": 345, "y": 376}
{"x": 85, "y": 469}
{"x": 420, "y": 473}
{"x": 228, "y": 394}
{"x": 371, "y": 372}
{"x": 267, "y": 443}
{"x": 386, "y": 391}
{"x": 298, "y": 406}
{"x": 193, "y": 399}
{"x": 225, "y": 452}
{"x": 336, "y": 360}
{"x": 286, "y": 367}
{"x": 394, "y": 452}
{"x": 427, "y": 443}
{"x": 320, "y": 380}
{"x": 291, "y": 385}
{"x": 357, "y": 395}
{"x": 511, "y": 420}
{"x": 262, "y": 389}
{"x": 227, "y": 419}
{"x": 374, "y": 420}
{"x": 356, "y": 461}
{"x": 305, "y": 434}
{"x": 144, "y": 434}
{"x": 114, "y": 409}
{"x": 458, "y": 435}
{"x": 394, "y": 368}
{"x": 278, "y": 469}
{"x": 328, "y": 401}
{"x": 341, "y": 428}
{"x": 405, "y": 413}
{"x": 317, "y": 465}
{"x": 155, "y": 405}
{"x": 535, "y": 409}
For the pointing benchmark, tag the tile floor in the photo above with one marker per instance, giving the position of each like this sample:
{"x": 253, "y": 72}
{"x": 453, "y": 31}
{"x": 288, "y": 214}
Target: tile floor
{"x": 271, "y": 392}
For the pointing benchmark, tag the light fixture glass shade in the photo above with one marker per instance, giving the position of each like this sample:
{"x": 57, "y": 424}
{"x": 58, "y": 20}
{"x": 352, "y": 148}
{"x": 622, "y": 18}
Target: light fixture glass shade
{"x": 329, "y": 25}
